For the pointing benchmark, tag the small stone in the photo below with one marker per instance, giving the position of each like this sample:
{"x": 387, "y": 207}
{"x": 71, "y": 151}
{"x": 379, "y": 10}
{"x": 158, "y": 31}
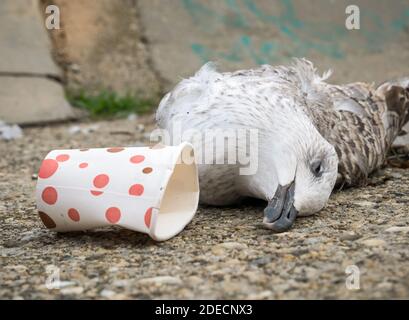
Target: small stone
{"x": 222, "y": 248}
{"x": 132, "y": 117}
{"x": 71, "y": 291}
{"x": 232, "y": 246}
{"x": 395, "y": 175}
{"x": 299, "y": 251}
{"x": 364, "y": 203}
{"x": 254, "y": 277}
{"x": 349, "y": 236}
{"x": 107, "y": 293}
{"x": 261, "y": 261}
{"x": 288, "y": 257}
{"x": 17, "y": 268}
{"x": 63, "y": 284}
{"x": 74, "y": 129}
{"x": 75, "y": 68}
{"x": 397, "y": 229}
{"x": 385, "y": 286}
{"x": 12, "y": 244}
{"x": 161, "y": 280}
{"x": 120, "y": 283}
{"x": 313, "y": 241}
{"x": 261, "y": 295}
{"x": 113, "y": 269}
{"x": 10, "y": 132}
{"x": 374, "y": 242}
{"x": 194, "y": 280}
{"x": 140, "y": 127}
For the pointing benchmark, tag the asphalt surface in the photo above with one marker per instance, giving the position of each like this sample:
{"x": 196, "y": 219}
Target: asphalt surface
{"x": 223, "y": 252}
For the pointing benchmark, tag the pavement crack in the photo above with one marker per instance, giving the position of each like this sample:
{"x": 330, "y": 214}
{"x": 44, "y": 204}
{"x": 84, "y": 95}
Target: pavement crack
{"x": 31, "y": 75}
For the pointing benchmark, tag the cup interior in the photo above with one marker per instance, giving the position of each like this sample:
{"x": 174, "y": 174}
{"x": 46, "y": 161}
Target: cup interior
{"x": 180, "y": 199}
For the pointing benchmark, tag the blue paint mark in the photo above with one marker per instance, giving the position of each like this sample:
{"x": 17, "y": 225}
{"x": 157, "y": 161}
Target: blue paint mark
{"x": 239, "y": 19}
{"x": 303, "y": 38}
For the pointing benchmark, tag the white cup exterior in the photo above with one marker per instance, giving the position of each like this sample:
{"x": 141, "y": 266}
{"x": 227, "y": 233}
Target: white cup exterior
{"x": 154, "y": 190}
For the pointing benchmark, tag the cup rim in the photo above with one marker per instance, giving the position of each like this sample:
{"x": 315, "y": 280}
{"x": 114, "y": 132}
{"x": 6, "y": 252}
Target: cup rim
{"x": 188, "y": 216}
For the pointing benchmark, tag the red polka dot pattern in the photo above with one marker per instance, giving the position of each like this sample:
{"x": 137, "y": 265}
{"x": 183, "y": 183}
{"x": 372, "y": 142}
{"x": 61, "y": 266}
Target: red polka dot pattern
{"x": 115, "y": 150}
{"x": 147, "y": 170}
{"x": 113, "y": 215}
{"x": 74, "y": 215}
{"x": 48, "y": 168}
{"x": 136, "y": 190}
{"x": 101, "y": 184}
{"x": 47, "y": 221}
{"x": 137, "y": 159}
{"x": 101, "y": 181}
{"x": 62, "y": 157}
{"x": 49, "y": 195}
{"x": 148, "y": 217}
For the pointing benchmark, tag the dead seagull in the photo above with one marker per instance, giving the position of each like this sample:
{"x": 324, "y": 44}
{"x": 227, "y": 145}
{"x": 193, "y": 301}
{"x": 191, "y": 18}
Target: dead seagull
{"x": 311, "y": 134}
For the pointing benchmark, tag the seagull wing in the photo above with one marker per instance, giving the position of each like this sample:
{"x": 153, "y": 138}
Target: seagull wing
{"x": 361, "y": 123}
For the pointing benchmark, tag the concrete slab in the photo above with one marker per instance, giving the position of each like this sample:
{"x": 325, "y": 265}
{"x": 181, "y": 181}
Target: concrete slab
{"x": 25, "y": 45}
{"x": 184, "y": 34}
{"x": 26, "y": 100}
{"x": 101, "y": 48}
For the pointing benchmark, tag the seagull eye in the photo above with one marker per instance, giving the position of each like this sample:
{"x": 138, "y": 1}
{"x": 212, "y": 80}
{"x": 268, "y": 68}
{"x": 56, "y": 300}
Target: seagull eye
{"x": 316, "y": 168}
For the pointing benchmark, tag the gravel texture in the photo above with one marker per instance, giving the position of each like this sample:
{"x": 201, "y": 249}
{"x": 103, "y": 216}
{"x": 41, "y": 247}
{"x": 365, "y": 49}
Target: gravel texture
{"x": 223, "y": 253}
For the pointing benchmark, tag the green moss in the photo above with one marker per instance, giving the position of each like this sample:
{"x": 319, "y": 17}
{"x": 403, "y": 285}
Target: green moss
{"x": 107, "y": 104}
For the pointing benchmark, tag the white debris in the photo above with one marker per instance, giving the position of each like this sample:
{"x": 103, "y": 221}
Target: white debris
{"x": 63, "y": 284}
{"x": 133, "y": 117}
{"x": 397, "y": 229}
{"x": 72, "y": 291}
{"x": 161, "y": 280}
{"x": 10, "y": 132}
{"x": 140, "y": 127}
{"x": 107, "y": 293}
{"x": 74, "y": 129}
{"x": 83, "y": 130}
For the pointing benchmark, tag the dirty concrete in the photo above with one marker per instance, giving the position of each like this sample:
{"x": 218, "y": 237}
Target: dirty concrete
{"x": 242, "y": 34}
{"x": 223, "y": 253}
{"x": 101, "y": 46}
{"x": 29, "y": 90}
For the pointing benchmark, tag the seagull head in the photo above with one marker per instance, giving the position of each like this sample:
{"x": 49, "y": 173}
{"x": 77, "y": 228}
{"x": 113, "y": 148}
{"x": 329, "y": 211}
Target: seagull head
{"x": 306, "y": 168}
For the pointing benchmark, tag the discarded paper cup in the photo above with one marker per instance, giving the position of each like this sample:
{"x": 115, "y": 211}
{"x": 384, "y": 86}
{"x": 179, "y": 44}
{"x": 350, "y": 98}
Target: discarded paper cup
{"x": 153, "y": 190}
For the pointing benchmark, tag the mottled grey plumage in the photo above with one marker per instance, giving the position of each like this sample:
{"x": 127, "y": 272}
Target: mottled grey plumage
{"x": 362, "y": 125}
{"x": 304, "y": 124}
{"x": 359, "y": 120}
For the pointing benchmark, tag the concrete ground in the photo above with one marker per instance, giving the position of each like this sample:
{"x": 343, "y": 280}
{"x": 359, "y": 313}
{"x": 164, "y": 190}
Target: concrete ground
{"x": 223, "y": 253}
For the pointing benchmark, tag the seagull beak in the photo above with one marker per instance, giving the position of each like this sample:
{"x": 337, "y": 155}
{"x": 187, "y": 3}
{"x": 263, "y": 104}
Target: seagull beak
{"x": 280, "y": 213}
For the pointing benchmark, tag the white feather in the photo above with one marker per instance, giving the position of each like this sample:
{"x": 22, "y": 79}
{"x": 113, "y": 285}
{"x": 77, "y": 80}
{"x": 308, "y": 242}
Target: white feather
{"x": 269, "y": 99}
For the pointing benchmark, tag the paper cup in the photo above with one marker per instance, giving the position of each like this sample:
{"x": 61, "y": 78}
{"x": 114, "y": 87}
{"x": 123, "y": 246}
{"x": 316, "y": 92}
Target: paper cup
{"x": 154, "y": 190}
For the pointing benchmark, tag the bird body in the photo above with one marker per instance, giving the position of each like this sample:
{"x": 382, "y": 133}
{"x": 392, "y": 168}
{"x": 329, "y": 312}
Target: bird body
{"x": 361, "y": 122}
{"x": 310, "y": 134}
